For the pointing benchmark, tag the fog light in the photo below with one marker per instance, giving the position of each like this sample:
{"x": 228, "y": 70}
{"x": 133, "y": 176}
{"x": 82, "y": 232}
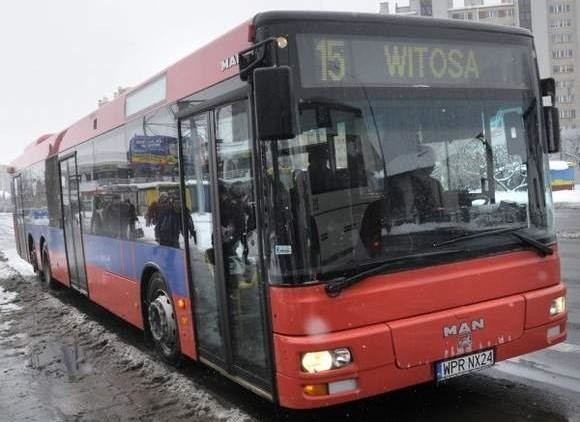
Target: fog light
{"x": 558, "y": 306}
{"x": 326, "y": 360}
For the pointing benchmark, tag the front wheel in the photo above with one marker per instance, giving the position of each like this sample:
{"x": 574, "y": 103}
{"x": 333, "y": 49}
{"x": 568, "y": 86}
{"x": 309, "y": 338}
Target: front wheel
{"x": 162, "y": 320}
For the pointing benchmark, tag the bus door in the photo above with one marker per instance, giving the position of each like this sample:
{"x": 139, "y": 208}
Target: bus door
{"x": 19, "y": 217}
{"x": 228, "y": 291}
{"x": 71, "y": 214}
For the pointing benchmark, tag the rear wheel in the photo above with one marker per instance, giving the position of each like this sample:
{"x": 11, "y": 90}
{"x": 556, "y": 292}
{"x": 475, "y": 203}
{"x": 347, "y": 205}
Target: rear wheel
{"x": 162, "y": 320}
{"x": 46, "y": 271}
{"x": 33, "y": 258}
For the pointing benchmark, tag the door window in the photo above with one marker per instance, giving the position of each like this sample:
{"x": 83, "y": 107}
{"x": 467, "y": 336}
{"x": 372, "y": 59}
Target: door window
{"x": 196, "y": 164}
{"x": 239, "y": 238}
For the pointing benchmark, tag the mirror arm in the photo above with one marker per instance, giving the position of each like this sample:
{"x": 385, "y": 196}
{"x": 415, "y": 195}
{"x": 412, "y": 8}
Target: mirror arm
{"x": 250, "y": 58}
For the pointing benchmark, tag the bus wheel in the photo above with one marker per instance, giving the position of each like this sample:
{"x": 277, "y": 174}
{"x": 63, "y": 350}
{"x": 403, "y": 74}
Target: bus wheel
{"x": 162, "y": 321}
{"x": 46, "y": 271}
{"x": 33, "y": 258}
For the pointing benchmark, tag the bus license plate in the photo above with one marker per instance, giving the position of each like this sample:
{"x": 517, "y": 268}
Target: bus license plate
{"x": 463, "y": 365}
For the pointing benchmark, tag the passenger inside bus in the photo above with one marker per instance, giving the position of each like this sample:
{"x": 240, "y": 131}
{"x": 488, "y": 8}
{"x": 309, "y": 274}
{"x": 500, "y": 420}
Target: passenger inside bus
{"x": 414, "y": 193}
{"x": 320, "y": 174}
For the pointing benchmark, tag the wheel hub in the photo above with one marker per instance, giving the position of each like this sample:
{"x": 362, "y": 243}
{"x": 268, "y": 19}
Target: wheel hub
{"x": 162, "y": 320}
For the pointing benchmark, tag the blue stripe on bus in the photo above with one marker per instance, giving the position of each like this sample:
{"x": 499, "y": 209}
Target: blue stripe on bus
{"x": 128, "y": 258}
{"x": 123, "y": 257}
{"x": 171, "y": 262}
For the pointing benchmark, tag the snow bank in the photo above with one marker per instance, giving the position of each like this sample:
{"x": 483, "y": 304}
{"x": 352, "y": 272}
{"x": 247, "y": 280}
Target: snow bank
{"x": 20, "y": 265}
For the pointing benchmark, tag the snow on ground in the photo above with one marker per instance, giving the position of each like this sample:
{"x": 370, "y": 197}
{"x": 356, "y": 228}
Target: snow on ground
{"x": 520, "y": 197}
{"x": 6, "y": 300}
{"x": 17, "y": 263}
{"x": 559, "y": 197}
{"x": 8, "y": 248}
{"x": 567, "y": 196}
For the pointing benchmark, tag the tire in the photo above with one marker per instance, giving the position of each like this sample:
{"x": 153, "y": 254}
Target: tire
{"x": 162, "y": 320}
{"x": 46, "y": 271}
{"x": 34, "y": 258}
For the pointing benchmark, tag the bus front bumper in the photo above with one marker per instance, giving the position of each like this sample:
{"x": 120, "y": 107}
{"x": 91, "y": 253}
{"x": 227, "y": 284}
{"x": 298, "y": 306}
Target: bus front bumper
{"x": 375, "y": 368}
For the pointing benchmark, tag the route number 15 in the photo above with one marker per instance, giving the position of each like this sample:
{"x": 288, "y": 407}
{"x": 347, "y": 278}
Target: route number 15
{"x": 333, "y": 66}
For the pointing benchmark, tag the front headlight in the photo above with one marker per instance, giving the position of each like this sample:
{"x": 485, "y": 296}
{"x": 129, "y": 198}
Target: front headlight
{"x": 558, "y": 306}
{"x": 325, "y": 360}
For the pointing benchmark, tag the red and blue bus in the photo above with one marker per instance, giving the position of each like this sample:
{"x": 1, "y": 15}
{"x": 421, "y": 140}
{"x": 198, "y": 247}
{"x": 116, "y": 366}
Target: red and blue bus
{"x": 321, "y": 206}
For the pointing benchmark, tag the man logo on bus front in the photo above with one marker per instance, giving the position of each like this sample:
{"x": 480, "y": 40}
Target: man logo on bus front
{"x": 464, "y": 332}
{"x": 463, "y": 328}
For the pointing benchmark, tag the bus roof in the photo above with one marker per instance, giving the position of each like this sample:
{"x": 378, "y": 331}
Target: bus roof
{"x": 268, "y": 18}
{"x": 202, "y": 69}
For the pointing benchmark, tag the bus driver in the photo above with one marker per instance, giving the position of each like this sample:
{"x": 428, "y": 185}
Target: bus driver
{"x": 414, "y": 192}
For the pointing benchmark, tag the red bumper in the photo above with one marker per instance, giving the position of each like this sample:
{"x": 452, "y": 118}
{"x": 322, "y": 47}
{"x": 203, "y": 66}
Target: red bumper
{"x": 376, "y": 367}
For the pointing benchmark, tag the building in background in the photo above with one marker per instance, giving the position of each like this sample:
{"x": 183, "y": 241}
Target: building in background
{"x": 554, "y": 23}
{"x": 505, "y": 13}
{"x": 564, "y": 43}
{"x": 428, "y": 8}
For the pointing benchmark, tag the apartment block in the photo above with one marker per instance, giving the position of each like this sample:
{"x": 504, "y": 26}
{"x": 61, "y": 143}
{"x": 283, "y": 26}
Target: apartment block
{"x": 554, "y": 24}
{"x": 427, "y": 8}
{"x": 505, "y": 13}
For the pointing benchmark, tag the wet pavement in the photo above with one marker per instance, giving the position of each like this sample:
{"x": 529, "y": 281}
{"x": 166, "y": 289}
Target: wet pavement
{"x": 63, "y": 358}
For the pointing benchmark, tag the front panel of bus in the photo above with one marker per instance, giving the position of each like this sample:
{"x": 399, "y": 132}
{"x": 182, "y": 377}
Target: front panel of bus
{"x": 410, "y": 136}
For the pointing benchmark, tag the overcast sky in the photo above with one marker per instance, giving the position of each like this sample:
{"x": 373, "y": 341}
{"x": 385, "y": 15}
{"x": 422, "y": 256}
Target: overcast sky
{"x": 59, "y": 57}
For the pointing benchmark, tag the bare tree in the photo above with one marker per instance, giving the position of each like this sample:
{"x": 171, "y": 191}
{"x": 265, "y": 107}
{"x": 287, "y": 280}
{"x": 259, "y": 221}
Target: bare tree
{"x": 570, "y": 150}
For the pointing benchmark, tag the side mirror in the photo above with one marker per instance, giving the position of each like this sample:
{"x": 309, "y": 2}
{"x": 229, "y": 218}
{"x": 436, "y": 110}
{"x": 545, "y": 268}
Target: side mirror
{"x": 548, "y": 87}
{"x": 551, "y": 115}
{"x": 552, "y": 119}
{"x": 274, "y": 103}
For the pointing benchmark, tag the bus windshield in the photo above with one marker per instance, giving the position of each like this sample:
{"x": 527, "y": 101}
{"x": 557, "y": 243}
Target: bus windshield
{"x": 387, "y": 164}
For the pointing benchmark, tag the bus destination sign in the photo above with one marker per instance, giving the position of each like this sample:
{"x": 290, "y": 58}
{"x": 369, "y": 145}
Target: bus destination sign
{"x": 366, "y": 61}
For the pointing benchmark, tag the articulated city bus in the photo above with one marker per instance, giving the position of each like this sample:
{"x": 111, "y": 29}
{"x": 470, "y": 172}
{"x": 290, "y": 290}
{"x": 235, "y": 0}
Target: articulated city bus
{"x": 321, "y": 206}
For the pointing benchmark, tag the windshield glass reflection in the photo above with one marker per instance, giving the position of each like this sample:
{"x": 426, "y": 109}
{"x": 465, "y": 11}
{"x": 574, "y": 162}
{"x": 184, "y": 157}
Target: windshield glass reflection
{"x": 373, "y": 176}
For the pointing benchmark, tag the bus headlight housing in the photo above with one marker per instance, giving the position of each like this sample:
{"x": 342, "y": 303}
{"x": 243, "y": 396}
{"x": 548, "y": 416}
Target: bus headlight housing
{"x": 325, "y": 360}
{"x": 558, "y": 306}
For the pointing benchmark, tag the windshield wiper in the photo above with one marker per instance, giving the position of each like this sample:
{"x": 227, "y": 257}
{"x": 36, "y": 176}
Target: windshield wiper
{"x": 539, "y": 247}
{"x": 336, "y": 285}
